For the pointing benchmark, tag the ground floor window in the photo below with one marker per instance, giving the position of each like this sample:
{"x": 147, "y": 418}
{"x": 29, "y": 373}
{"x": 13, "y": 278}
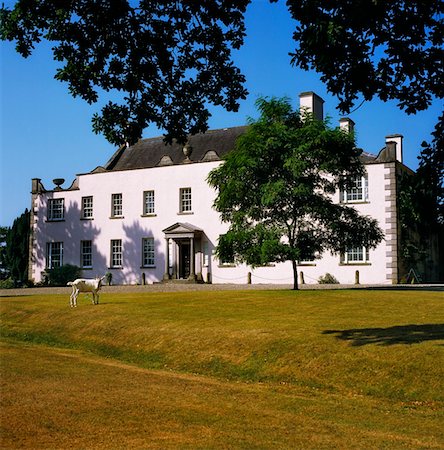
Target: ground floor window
{"x": 147, "y": 252}
{"x": 116, "y": 253}
{"x": 54, "y": 255}
{"x": 86, "y": 254}
{"x": 205, "y": 254}
{"x": 355, "y": 255}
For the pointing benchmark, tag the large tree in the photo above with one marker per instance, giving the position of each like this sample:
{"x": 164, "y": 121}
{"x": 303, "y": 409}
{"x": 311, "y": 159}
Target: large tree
{"x": 390, "y": 49}
{"x": 163, "y": 61}
{"x": 17, "y": 248}
{"x": 3, "y": 268}
{"x": 421, "y": 205}
{"x": 275, "y": 191}
{"x": 168, "y": 60}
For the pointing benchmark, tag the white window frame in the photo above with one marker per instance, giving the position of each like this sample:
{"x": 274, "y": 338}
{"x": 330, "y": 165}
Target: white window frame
{"x": 205, "y": 254}
{"x": 148, "y": 252}
{"x": 356, "y": 255}
{"x": 117, "y": 205}
{"x": 116, "y": 253}
{"x": 149, "y": 207}
{"x": 357, "y": 193}
{"x": 54, "y": 255}
{"x": 185, "y": 204}
{"x": 86, "y": 254}
{"x": 87, "y": 207}
{"x": 56, "y": 209}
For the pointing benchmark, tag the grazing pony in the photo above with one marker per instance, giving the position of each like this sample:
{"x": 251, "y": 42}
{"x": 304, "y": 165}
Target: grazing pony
{"x": 85, "y": 285}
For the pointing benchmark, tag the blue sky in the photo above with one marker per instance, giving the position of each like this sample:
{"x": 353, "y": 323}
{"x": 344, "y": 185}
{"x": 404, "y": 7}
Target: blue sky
{"x": 45, "y": 133}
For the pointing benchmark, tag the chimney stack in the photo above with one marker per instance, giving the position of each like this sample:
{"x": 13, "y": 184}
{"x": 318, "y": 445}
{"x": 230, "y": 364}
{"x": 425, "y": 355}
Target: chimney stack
{"x": 312, "y": 103}
{"x": 346, "y": 124}
{"x": 397, "y": 138}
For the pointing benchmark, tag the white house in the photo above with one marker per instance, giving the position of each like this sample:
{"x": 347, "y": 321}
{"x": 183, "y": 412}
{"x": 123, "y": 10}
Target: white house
{"x": 146, "y": 216}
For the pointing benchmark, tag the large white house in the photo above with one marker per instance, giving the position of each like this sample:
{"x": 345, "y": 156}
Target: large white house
{"x": 146, "y": 216}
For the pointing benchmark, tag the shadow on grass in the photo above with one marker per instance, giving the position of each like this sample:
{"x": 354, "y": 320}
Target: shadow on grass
{"x": 401, "y": 334}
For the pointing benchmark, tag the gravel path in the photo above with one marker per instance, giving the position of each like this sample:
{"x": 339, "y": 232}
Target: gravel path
{"x": 173, "y": 287}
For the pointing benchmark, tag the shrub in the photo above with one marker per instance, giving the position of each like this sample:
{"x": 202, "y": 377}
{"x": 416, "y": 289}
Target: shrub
{"x": 8, "y": 283}
{"x": 328, "y": 278}
{"x": 59, "y": 276}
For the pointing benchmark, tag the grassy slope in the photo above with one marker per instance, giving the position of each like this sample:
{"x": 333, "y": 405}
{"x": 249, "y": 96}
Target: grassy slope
{"x": 279, "y": 368}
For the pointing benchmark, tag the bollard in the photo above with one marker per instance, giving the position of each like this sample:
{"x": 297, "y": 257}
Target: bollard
{"x": 301, "y": 278}
{"x": 357, "y": 277}
{"x": 249, "y": 278}
{"x": 143, "y": 279}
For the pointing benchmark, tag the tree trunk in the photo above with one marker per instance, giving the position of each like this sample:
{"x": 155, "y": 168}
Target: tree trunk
{"x": 295, "y": 276}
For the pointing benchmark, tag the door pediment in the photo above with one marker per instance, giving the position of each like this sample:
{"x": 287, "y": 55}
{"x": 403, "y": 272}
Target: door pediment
{"x": 182, "y": 230}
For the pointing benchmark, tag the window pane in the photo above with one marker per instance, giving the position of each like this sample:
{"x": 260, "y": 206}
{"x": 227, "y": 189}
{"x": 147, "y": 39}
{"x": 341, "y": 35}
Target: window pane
{"x": 87, "y": 207}
{"x": 56, "y": 208}
{"x": 116, "y": 253}
{"x": 116, "y": 209}
{"x": 86, "y": 254}
{"x": 148, "y": 202}
{"x": 148, "y": 252}
{"x": 185, "y": 200}
{"x": 357, "y": 254}
{"x": 357, "y": 192}
{"x": 54, "y": 254}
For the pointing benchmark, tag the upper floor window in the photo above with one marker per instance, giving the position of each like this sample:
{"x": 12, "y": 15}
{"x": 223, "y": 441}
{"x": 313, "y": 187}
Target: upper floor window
{"x": 356, "y": 192}
{"x": 148, "y": 252}
{"x": 148, "y": 202}
{"x": 54, "y": 254}
{"x": 87, "y": 207}
{"x": 185, "y": 200}
{"x": 56, "y": 209}
{"x": 116, "y": 205}
{"x": 355, "y": 255}
{"x": 116, "y": 253}
{"x": 86, "y": 254}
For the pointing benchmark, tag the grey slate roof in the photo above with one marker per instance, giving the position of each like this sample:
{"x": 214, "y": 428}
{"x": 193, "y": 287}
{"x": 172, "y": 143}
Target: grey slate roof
{"x": 210, "y": 146}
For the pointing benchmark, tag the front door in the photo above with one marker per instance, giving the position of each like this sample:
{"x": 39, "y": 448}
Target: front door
{"x": 184, "y": 260}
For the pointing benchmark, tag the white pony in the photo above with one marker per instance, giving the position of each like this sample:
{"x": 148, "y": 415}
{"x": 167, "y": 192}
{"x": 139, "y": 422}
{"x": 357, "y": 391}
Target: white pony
{"x": 85, "y": 285}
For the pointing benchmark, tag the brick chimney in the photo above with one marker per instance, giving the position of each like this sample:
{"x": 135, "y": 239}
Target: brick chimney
{"x": 312, "y": 103}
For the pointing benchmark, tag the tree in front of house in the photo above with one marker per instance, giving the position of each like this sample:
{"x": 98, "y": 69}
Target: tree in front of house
{"x": 421, "y": 206}
{"x": 275, "y": 191}
{"x": 17, "y": 248}
{"x": 3, "y": 269}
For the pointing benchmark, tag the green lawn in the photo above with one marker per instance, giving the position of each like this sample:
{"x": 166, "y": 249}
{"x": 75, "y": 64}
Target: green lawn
{"x": 231, "y": 369}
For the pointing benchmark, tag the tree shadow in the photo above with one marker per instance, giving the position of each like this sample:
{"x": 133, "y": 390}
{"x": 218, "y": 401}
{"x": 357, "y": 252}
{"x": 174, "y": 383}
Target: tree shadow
{"x": 134, "y": 272}
{"x": 70, "y": 231}
{"x": 401, "y": 334}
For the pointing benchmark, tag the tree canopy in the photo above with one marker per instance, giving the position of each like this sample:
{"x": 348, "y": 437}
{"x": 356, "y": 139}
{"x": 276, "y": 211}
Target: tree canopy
{"x": 17, "y": 248}
{"x": 166, "y": 60}
{"x": 421, "y": 206}
{"x": 275, "y": 191}
{"x": 169, "y": 60}
{"x": 390, "y": 49}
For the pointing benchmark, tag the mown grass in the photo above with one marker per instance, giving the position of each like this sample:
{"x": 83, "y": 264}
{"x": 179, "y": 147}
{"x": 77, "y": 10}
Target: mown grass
{"x": 368, "y": 365}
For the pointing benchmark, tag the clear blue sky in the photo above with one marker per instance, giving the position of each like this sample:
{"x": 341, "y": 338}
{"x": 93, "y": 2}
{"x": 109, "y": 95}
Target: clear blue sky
{"x": 45, "y": 133}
